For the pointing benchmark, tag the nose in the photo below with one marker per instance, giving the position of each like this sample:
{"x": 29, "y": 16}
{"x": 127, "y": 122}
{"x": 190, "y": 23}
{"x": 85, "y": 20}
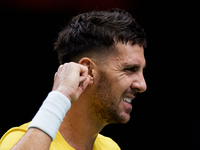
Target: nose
{"x": 139, "y": 84}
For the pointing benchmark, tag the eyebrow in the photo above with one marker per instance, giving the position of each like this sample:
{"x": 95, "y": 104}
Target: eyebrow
{"x": 137, "y": 66}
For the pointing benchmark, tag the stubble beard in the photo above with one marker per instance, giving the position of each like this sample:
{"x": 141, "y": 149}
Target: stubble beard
{"x": 105, "y": 103}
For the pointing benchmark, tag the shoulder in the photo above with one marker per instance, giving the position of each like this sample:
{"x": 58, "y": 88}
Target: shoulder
{"x": 103, "y": 142}
{"x": 12, "y": 136}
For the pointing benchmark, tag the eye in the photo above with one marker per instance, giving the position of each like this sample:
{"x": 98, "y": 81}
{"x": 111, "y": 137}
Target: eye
{"x": 131, "y": 70}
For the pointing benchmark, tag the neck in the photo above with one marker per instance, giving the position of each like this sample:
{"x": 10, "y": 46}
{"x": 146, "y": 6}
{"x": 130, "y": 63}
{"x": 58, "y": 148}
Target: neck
{"x": 79, "y": 128}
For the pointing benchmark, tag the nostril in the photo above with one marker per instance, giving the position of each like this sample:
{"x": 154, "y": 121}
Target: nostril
{"x": 138, "y": 90}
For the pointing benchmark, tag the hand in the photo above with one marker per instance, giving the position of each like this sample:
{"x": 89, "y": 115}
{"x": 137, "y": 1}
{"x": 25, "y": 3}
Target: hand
{"x": 71, "y": 79}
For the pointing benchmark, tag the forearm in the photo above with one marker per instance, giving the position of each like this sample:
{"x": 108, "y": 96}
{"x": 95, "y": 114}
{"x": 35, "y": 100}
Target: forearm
{"x": 34, "y": 139}
{"x": 44, "y": 126}
{"x": 66, "y": 90}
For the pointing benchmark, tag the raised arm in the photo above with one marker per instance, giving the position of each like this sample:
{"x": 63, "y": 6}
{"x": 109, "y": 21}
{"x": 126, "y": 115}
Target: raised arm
{"x": 69, "y": 82}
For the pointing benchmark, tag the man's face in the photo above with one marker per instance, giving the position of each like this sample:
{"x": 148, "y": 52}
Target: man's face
{"x": 119, "y": 82}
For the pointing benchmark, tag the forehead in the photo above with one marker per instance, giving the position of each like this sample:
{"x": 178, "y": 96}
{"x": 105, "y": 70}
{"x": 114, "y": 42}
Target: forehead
{"x": 128, "y": 54}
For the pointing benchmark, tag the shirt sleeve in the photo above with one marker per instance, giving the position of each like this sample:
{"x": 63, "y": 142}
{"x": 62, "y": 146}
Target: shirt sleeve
{"x": 11, "y": 137}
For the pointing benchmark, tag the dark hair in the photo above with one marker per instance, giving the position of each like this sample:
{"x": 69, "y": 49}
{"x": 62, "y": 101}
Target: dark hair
{"x": 97, "y": 31}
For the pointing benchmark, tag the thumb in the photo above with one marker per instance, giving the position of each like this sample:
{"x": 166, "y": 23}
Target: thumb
{"x": 84, "y": 85}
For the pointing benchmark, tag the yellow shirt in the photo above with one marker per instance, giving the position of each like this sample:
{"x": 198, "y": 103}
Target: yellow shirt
{"x": 12, "y": 136}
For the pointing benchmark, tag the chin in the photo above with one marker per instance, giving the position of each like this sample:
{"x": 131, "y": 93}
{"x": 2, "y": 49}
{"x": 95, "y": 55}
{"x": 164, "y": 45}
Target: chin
{"x": 125, "y": 118}
{"x": 121, "y": 119}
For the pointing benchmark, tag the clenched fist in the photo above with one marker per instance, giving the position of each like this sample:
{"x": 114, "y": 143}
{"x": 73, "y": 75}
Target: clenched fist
{"x": 71, "y": 79}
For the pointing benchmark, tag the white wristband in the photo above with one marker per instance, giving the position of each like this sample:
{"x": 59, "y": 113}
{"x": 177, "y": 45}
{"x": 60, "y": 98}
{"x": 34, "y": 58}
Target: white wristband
{"x": 51, "y": 113}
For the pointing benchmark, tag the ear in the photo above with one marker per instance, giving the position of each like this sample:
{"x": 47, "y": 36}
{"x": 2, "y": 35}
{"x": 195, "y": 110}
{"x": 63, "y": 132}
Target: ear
{"x": 85, "y": 61}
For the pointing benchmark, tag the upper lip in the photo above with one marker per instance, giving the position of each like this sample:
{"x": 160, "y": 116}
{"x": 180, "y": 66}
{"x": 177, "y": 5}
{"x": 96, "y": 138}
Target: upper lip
{"x": 130, "y": 96}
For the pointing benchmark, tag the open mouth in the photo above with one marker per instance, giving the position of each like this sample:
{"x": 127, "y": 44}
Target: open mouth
{"x": 128, "y": 100}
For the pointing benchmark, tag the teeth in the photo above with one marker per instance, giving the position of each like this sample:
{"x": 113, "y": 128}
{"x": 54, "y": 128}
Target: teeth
{"x": 128, "y": 100}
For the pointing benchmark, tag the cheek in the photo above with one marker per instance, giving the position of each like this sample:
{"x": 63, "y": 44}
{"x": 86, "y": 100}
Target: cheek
{"x": 121, "y": 85}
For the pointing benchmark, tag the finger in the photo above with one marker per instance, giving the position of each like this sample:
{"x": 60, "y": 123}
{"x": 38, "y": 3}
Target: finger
{"x": 83, "y": 73}
{"x": 55, "y": 75}
{"x": 60, "y": 68}
{"x": 85, "y": 84}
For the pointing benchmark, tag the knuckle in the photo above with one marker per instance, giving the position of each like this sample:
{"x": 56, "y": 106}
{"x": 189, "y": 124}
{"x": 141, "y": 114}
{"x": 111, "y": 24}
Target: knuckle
{"x": 60, "y": 66}
{"x": 72, "y": 64}
{"x": 65, "y": 64}
{"x": 55, "y": 74}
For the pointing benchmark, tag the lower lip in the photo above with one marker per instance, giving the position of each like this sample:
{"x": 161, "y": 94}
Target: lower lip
{"x": 127, "y": 105}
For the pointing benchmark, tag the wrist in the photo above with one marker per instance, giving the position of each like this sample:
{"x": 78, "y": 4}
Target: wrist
{"x": 64, "y": 93}
{"x": 51, "y": 113}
